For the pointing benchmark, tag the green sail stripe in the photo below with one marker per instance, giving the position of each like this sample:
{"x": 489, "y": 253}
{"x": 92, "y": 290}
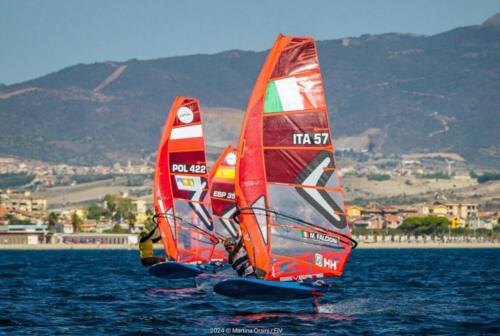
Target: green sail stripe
{"x": 272, "y": 103}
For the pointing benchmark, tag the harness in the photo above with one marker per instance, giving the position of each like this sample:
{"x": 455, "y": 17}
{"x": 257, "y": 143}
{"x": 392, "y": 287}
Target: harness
{"x": 240, "y": 262}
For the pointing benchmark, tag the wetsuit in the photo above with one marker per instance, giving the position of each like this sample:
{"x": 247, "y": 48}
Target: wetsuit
{"x": 238, "y": 258}
{"x": 146, "y": 248}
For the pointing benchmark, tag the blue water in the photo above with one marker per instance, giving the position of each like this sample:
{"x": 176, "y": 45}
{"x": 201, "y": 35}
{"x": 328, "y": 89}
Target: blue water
{"x": 442, "y": 292}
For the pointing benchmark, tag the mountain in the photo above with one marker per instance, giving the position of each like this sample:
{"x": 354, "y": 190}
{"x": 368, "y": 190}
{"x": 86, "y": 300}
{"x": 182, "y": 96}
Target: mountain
{"x": 493, "y": 21}
{"x": 400, "y": 92}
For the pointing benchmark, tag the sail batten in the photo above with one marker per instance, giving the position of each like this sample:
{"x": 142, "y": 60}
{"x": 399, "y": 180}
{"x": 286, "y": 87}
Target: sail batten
{"x": 289, "y": 194}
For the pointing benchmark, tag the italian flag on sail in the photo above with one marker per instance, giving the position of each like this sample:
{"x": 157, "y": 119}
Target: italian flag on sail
{"x": 294, "y": 94}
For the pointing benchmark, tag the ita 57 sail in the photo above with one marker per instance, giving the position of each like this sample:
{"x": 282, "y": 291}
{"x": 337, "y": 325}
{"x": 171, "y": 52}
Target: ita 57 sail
{"x": 181, "y": 186}
{"x": 291, "y": 208}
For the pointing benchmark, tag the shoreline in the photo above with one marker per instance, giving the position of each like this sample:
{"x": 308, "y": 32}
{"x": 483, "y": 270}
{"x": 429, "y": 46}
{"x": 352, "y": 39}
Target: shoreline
{"x": 377, "y": 245}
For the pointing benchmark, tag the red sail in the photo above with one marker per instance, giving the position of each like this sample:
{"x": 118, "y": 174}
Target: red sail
{"x": 223, "y": 199}
{"x": 222, "y": 194}
{"x": 181, "y": 184}
{"x": 292, "y": 210}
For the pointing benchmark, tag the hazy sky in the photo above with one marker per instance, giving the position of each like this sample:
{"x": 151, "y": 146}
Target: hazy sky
{"x": 38, "y": 37}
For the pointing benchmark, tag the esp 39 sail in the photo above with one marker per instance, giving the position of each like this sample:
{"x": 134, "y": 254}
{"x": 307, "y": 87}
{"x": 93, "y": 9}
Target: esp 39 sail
{"x": 223, "y": 199}
{"x": 222, "y": 194}
{"x": 181, "y": 184}
{"x": 291, "y": 205}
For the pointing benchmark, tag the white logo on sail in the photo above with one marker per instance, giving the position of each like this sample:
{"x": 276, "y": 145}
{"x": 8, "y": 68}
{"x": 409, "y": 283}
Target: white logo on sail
{"x": 321, "y": 261}
{"x": 185, "y": 115}
{"x": 231, "y": 159}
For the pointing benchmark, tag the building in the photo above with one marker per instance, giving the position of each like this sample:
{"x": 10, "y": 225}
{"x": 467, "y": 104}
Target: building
{"x": 486, "y": 220}
{"x": 22, "y": 234}
{"x": 463, "y": 210}
{"x": 104, "y": 226}
{"x": 64, "y": 227}
{"x": 139, "y": 206}
{"x": 23, "y": 201}
{"x": 436, "y": 209}
{"x": 353, "y": 212}
{"x": 360, "y": 223}
{"x": 90, "y": 225}
{"x": 97, "y": 238}
{"x": 452, "y": 209}
{"x": 376, "y": 217}
{"x": 371, "y": 222}
{"x": 392, "y": 221}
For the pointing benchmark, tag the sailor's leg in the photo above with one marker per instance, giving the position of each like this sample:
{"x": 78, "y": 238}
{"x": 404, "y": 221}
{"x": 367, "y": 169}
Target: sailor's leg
{"x": 315, "y": 304}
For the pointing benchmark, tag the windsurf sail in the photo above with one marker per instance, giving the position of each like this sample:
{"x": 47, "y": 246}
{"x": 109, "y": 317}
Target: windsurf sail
{"x": 289, "y": 195}
{"x": 223, "y": 197}
{"x": 181, "y": 185}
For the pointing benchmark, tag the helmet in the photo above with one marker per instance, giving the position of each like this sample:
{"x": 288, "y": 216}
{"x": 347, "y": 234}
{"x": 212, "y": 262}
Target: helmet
{"x": 228, "y": 242}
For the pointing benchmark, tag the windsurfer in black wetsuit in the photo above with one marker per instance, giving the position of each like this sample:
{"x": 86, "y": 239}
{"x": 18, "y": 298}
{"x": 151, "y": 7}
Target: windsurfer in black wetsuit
{"x": 238, "y": 258}
{"x": 146, "y": 248}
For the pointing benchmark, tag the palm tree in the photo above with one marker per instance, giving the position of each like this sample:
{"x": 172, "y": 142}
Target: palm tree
{"x": 76, "y": 221}
{"x": 53, "y": 219}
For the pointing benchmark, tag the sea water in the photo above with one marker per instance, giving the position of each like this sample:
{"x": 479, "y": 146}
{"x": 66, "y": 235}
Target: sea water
{"x": 383, "y": 291}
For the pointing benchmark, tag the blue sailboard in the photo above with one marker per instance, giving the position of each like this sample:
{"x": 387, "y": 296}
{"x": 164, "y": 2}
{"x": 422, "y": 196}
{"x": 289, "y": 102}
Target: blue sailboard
{"x": 177, "y": 270}
{"x": 264, "y": 290}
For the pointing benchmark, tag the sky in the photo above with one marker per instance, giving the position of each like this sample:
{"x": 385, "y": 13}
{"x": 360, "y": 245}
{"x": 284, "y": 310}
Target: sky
{"x": 38, "y": 37}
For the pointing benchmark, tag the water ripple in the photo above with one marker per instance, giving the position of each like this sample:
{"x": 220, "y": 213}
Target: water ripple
{"x": 404, "y": 292}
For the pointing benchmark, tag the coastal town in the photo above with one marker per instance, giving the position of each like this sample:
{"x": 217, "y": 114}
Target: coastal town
{"x": 44, "y": 204}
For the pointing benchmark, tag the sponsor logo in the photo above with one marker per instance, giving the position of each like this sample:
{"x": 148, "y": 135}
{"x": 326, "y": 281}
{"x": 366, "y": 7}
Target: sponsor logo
{"x": 189, "y": 168}
{"x": 319, "y": 237}
{"x": 188, "y": 183}
{"x": 318, "y": 260}
{"x": 251, "y": 183}
{"x": 301, "y": 277}
{"x": 321, "y": 261}
{"x": 231, "y": 159}
{"x": 185, "y": 115}
{"x": 310, "y": 138}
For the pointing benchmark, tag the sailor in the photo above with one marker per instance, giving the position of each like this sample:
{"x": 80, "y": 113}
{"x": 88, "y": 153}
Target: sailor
{"x": 238, "y": 258}
{"x": 146, "y": 241}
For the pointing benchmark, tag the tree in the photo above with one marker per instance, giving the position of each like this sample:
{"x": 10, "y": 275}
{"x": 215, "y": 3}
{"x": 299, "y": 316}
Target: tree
{"x": 378, "y": 177}
{"x": 116, "y": 229}
{"x": 131, "y": 219}
{"x": 53, "y": 219}
{"x": 118, "y": 207}
{"x": 425, "y": 225}
{"x": 149, "y": 222}
{"x": 13, "y": 220}
{"x": 110, "y": 203}
{"x": 94, "y": 211}
{"x": 76, "y": 222}
{"x": 12, "y": 180}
